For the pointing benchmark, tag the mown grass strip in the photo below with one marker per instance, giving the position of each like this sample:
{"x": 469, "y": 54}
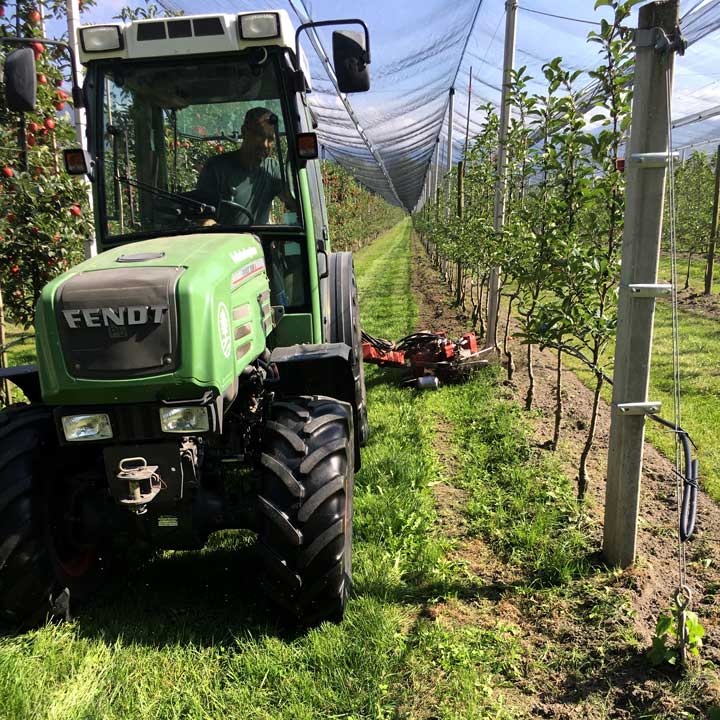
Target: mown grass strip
{"x": 187, "y": 636}
{"x": 519, "y": 501}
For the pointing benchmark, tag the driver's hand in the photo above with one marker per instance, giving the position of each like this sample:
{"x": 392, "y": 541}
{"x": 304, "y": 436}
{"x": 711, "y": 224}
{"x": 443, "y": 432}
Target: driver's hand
{"x": 208, "y": 222}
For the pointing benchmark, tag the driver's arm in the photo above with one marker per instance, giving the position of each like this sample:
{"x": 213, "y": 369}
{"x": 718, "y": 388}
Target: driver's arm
{"x": 288, "y": 199}
{"x": 208, "y": 188}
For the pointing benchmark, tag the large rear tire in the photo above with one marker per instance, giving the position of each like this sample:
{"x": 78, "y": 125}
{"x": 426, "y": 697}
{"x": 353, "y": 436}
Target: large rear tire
{"x": 306, "y": 506}
{"x": 345, "y": 328}
{"x": 41, "y": 553}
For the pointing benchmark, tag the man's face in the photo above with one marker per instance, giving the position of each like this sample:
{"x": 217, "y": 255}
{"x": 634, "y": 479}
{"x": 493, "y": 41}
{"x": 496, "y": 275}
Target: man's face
{"x": 259, "y": 138}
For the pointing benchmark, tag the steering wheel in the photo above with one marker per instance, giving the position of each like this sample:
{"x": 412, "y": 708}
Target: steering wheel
{"x": 238, "y": 207}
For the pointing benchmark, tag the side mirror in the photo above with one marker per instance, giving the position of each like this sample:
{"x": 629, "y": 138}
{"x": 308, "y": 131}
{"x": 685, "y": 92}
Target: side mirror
{"x": 20, "y": 80}
{"x": 350, "y": 58}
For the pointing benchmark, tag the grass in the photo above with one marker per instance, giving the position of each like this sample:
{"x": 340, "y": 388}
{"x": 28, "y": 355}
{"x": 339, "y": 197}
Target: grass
{"x": 426, "y": 634}
{"x": 519, "y": 501}
{"x": 697, "y": 272}
{"x": 699, "y": 382}
{"x": 187, "y": 636}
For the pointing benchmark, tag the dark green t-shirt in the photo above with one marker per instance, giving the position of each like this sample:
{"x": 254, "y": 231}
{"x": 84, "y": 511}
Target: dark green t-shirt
{"x": 223, "y": 178}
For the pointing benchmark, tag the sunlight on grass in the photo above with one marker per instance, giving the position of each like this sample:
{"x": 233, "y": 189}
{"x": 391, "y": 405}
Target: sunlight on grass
{"x": 188, "y": 635}
{"x": 699, "y": 384}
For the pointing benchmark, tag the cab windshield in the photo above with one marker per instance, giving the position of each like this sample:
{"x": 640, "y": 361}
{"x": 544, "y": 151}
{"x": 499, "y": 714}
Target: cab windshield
{"x": 195, "y": 143}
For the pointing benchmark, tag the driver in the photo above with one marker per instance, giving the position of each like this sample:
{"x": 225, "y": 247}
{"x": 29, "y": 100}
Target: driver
{"x": 248, "y": 177}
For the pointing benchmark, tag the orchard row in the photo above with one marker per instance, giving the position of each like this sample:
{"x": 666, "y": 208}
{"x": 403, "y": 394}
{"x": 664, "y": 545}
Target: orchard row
{"x": 560, "y": 246}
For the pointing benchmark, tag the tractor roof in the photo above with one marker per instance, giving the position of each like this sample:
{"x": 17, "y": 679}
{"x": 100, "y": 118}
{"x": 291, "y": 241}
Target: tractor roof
{"x": 184, "y": 35}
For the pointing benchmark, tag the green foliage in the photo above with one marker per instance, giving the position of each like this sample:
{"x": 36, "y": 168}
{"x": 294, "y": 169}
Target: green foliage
{"x": 44, "y": 213}
{"x": 150, "y": 10}
{"x": 356, "y": 216}
{"x": 563, "y": 224}
{"x": 665, "y": 640}
{"x": 694, "y": 188}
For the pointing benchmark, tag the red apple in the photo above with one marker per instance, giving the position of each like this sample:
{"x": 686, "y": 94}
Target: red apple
{"x": 34, "y": 17}
{"x": 49, "y": 123}
{"x": 75, "y": 210}
{"x": 8, "y": 171}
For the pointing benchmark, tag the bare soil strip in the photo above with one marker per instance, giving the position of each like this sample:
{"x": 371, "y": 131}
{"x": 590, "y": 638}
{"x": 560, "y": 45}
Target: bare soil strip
{"x": 650, "y": 583}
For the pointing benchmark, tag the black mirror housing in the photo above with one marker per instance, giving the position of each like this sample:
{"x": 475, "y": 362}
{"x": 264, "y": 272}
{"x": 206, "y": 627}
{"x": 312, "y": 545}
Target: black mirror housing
{"x": 20, "y": 80}
{"x": 350, "y": 58}
{"x": 77, "y": 161}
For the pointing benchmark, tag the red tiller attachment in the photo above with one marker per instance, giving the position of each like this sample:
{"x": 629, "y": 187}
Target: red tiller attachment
{"x": 427, "y": 355}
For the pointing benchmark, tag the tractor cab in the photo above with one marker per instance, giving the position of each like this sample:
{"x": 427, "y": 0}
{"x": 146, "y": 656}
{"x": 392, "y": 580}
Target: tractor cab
{"x": 200, "y": 125}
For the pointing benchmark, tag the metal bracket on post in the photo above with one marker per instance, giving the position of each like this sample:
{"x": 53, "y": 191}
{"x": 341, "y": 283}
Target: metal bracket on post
{"x": 648, "y": 290}
{"x": 639, "y": 408}
{"x": 653, "y": 159}
{"x": 660, "y": 41}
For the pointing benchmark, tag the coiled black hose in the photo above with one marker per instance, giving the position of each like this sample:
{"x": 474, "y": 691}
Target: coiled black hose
{"x": 688, "y": 506}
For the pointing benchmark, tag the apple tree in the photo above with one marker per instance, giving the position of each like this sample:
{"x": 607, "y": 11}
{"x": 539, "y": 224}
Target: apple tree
{"x": 44, "y": 213}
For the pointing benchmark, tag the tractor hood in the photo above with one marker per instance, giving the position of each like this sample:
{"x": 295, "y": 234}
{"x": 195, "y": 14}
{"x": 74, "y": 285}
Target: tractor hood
{"x": 162, "y": 319}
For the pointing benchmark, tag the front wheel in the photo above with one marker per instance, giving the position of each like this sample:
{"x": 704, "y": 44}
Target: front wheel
{"x": 44, "y": 552}
{"x": 306, "y": 507}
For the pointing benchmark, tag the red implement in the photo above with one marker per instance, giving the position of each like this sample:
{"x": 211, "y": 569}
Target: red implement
{"x": 426, "y": 354}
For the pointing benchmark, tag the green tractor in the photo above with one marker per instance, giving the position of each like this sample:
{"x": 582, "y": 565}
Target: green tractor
{"x": 204, "y": 370}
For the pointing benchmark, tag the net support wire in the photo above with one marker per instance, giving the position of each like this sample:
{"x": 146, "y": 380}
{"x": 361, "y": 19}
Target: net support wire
{"x": 456, "y": 73}
{"x": 305, "y": 16}
{"x": 684, "y": 493}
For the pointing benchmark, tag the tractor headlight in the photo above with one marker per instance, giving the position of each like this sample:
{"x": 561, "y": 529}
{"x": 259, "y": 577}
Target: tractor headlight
{"x": 87, "y": 427}
{"x": 184, "y": 419}
{"x": 259, "y": 26}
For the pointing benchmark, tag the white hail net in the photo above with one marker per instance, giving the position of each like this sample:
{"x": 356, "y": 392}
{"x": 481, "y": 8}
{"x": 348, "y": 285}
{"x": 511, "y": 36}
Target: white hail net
{"x": 387, "y": 137}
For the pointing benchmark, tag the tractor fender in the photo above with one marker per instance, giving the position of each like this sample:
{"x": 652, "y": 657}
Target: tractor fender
{"x": 26, "y": 377}
{"x": 322, "y": 369}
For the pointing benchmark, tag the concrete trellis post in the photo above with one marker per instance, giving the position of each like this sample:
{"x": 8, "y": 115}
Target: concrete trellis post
{"x": 645, "y": 194}
{"x": 499, "y": 211}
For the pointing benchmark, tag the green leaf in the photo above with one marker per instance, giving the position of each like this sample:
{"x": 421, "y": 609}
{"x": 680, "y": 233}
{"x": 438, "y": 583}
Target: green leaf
{"x": 663, "y": 625}
{"x": 601, "y": 3}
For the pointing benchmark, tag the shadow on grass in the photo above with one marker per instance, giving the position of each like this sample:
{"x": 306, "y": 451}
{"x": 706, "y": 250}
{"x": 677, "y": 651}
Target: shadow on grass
{"x": 211, "y": 597}
{"x": 385, "y": 376}
{"x": 198, "y": 598}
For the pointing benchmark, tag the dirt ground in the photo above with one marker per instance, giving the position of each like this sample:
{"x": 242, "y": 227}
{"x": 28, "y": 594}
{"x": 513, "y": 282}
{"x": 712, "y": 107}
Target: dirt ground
{"x": 706, "y": 306}
{"x": 654, "y": 577}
